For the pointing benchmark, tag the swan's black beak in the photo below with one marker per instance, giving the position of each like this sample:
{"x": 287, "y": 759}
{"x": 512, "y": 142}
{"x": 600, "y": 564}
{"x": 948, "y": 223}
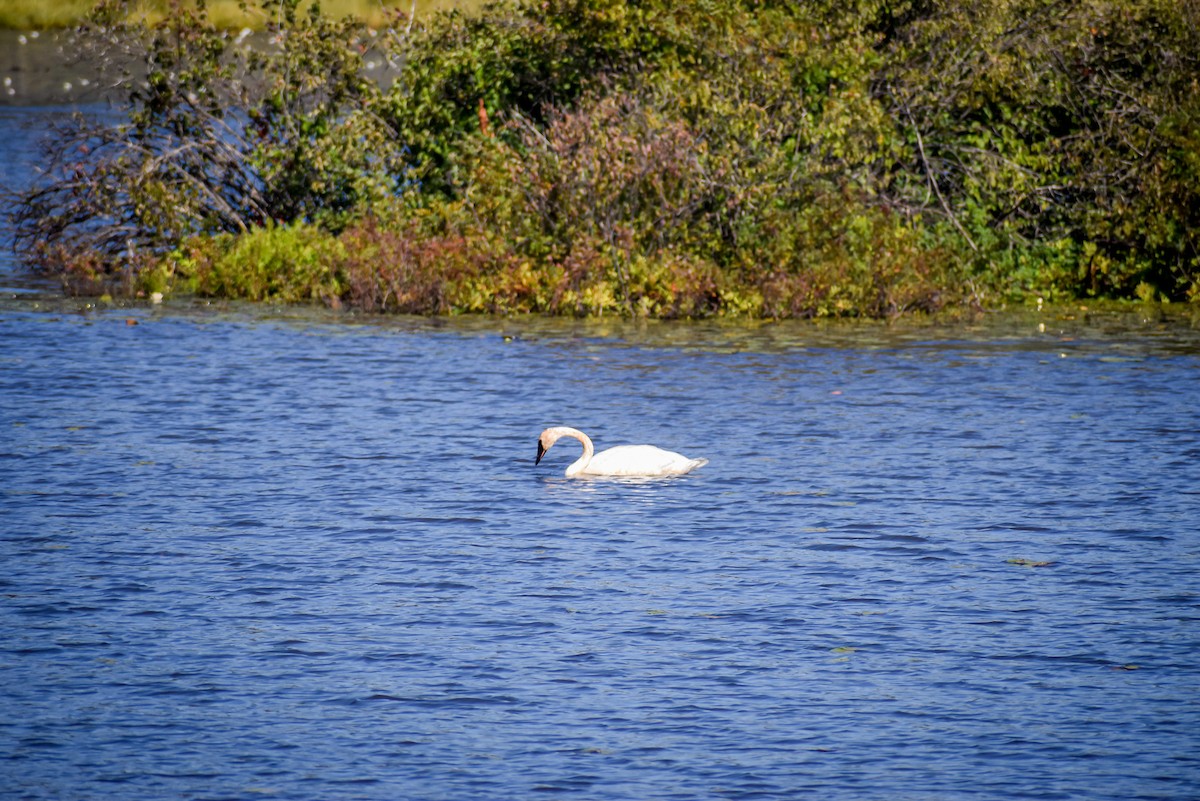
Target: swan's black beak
{"x": 541, "y": 453}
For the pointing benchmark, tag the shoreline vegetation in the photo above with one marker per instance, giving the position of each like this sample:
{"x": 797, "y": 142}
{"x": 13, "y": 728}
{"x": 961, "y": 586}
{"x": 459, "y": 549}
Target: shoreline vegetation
{"x": 651, "y": 159}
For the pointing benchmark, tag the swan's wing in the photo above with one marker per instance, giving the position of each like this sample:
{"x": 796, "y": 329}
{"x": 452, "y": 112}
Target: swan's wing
{"x": 640, "y": 460}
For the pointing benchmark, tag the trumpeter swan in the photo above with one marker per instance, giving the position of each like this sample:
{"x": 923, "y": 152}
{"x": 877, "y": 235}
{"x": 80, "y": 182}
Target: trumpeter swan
{"x": 623, "y": 460}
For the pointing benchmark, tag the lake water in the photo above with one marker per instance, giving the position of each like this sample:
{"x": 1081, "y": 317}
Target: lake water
{"x": 296, "y": 554}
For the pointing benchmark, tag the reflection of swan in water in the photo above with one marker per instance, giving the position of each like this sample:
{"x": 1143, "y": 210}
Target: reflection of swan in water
{"x": 623, "y": 460}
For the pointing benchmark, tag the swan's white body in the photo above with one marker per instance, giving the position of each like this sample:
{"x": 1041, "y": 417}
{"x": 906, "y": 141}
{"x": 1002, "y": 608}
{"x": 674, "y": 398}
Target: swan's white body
{"x": 623, "y": 460}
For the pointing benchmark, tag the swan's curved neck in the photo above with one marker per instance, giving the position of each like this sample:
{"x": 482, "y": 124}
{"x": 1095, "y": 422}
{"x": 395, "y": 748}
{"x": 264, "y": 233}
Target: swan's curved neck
{"x": 580, "y": 464}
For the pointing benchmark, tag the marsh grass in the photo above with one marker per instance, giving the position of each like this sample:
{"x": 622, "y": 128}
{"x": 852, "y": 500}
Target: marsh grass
{"x": 229, "y": 14}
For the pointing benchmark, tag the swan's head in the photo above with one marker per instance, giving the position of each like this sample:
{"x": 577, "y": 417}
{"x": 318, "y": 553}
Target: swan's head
{"x": 553, "y": 435}
{"x": 545, "y": 441}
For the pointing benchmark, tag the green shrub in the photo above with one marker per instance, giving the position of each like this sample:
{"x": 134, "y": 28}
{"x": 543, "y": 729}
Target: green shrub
{"x": 286, "y": 264}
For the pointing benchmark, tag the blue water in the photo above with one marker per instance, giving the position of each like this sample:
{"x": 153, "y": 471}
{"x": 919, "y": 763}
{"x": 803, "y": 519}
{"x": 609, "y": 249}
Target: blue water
{"x": 292, "y": 554}
{"x": 254, "y": 556}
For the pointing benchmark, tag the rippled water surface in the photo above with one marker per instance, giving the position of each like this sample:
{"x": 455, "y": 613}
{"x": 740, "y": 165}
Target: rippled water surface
{"x": 308, "y": 558}
{"x": 297, "y": 555}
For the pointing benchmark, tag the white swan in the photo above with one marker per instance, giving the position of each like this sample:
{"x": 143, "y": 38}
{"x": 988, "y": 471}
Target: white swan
{"x": 623, "y": 460}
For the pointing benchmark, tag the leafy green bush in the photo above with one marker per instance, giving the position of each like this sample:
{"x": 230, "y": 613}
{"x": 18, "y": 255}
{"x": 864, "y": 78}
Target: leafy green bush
{"x": 1054, "y": 129}
{"x": 285, "y": 264}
